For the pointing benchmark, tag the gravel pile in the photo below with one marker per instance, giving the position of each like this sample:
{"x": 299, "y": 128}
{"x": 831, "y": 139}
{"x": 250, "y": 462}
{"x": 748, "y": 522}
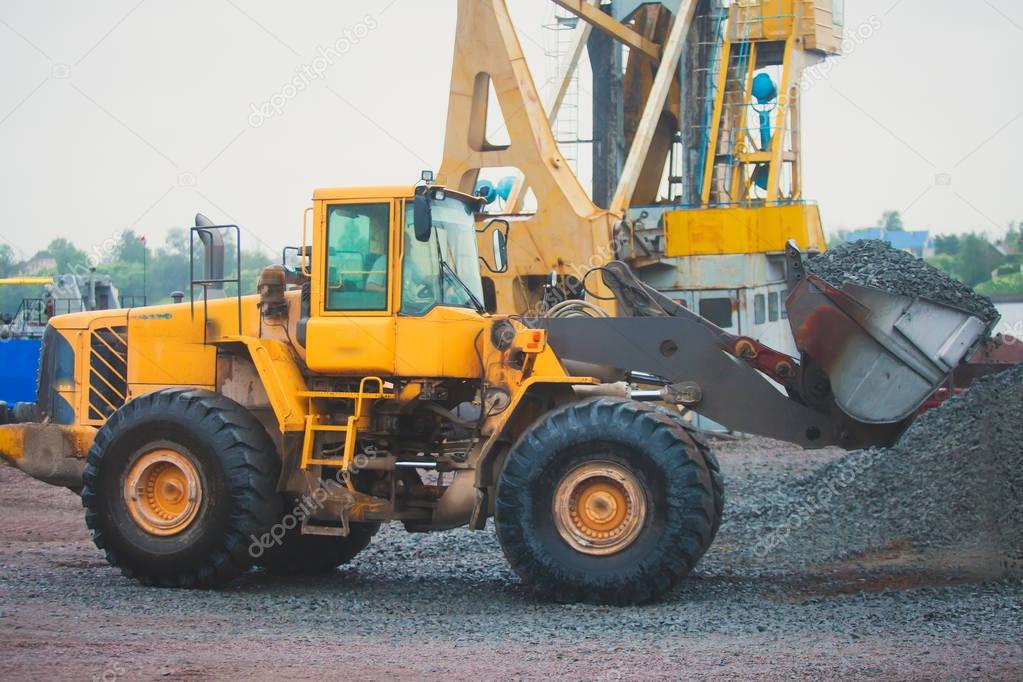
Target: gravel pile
{"x": 954, "y": 480}
{"x": 875, "y": 264}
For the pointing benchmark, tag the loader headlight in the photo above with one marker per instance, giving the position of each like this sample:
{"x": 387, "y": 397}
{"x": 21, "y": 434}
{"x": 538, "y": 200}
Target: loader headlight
{"x": 502, "y": 334}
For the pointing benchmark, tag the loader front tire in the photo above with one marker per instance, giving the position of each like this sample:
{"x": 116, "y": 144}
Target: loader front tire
{"x": 713, "y": 466}
{"x": 604, "y": 501}
{"x": 176, "y": 485}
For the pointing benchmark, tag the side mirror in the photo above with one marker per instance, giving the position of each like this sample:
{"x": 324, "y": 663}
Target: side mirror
{"x": 500, "y": 242}
{"x": 422, "y": 218}
{"x": 500, "y": 251}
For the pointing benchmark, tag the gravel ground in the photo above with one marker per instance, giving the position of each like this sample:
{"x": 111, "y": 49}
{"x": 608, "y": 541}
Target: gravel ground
{"x": 446, "y": 606}
{"x": 873, "y": 263}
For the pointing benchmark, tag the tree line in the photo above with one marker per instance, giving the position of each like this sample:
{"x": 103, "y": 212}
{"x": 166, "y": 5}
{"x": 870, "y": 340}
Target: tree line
{"x": 990, "y": 267}
{"x": 136, "y": 268}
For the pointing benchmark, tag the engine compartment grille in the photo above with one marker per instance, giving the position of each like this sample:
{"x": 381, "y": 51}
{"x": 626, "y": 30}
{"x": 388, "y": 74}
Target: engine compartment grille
{"x": 108, "y": 370}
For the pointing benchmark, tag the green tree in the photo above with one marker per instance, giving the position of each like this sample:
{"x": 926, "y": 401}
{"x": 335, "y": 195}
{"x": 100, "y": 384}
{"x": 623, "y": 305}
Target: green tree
{"x": 978, "y": 259}
{"x": 1011, "y": 284}
{"x": 947, "y": 263}
{"x": 837, "y": 237}
{"x": 1014, "y": 238}
{"x": 176, "y": 242}
{"x": 891, "y": 221}
{"x": 946, "y": 244}
{"x": 8, "y": 261}
{"x": 129, "y": 248}
{"x": 66, "y": 254}
{"x": 168, "y": 267}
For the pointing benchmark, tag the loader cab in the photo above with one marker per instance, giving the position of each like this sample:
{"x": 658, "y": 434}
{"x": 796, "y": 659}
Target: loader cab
{"x": 381, "y": 282}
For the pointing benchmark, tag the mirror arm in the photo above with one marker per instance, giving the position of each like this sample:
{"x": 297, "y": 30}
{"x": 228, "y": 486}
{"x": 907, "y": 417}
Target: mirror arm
{"x": 488, "y": 266}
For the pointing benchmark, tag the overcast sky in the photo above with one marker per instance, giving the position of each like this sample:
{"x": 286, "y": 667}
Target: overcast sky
{"x": 124, "y": 114}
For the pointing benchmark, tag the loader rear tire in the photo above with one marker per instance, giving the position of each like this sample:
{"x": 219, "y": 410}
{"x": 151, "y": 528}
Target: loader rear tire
{"x": 298, "y": 554}
{"x": 176, "y": 485}
{"x": 604, "y": 501}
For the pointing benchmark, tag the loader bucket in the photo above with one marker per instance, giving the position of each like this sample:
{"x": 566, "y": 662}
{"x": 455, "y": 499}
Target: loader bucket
{"x": 883, "y": 354}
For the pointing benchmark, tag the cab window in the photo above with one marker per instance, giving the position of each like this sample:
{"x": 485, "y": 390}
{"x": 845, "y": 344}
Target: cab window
{"x": 420, "y": 271}
{"x": 425, "y": 283}
{"x": 357, "y": 248}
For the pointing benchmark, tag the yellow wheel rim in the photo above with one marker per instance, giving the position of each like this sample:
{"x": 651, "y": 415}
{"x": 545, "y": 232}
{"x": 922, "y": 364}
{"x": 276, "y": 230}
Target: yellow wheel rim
{"x": 599, "y": 508}
{"x": 163, "y": 492}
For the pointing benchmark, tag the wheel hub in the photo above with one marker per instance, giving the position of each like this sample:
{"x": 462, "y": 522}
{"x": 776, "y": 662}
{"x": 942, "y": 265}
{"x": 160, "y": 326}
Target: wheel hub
{"x": 162, "y": 492}
{"x": 599, "y": 508}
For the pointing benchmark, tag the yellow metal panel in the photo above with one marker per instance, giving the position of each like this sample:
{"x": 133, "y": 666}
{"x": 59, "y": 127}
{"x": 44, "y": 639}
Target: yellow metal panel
{"x": 281, "y": 377}
{"x": 778, "y": 16}
{"x": 547, "y": 366}
{"x": 825, "y": 36}
{"x": 12, "y": 442}
{"x": 165, "y": 345}
{"x": 737, "y": 230}
{"x": 439, "y": 344}
{"x": 25, "y": 281}
{"x": 351, "y": 345}
{"x": 772, "y": 20}
{"x": 171, "y": 345}
{"x": 363, "y": 193}
{"x": 419, "y": 346}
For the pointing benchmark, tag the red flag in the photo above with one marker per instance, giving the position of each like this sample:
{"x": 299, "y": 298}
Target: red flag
{"x": 142, "y": 239}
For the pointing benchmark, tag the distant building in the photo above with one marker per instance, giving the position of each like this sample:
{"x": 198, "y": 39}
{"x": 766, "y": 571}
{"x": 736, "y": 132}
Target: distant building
{"x": 918, "y": 243}
{"x": 39, "y": 264}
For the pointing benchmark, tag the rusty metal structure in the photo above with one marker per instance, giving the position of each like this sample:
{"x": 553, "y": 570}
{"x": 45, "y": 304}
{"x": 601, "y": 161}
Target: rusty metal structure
{"x": 682, "y": 146}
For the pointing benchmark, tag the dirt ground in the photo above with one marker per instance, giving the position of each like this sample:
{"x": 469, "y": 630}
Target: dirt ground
{"x": 445, "y": 606}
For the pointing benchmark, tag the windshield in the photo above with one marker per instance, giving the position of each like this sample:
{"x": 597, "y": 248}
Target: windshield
{"x": 425, "y": 283}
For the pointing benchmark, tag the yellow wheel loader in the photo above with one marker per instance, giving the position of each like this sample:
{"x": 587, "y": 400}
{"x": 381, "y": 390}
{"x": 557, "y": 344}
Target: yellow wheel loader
{"x": 365, "y": 384}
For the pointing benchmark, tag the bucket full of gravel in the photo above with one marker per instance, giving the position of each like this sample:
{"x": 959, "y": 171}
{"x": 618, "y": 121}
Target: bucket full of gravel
{"x": 953, "y": 481}
{"x": 873, "y": 263}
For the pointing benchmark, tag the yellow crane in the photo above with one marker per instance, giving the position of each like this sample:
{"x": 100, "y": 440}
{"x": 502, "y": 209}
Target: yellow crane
{"x": 730, "y": 240}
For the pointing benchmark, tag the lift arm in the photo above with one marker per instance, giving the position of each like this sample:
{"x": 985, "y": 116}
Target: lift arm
{"x": 869, "y": 358}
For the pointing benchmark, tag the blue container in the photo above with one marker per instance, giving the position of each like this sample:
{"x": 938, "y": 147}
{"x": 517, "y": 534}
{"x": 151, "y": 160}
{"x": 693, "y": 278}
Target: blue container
{"x": 19, "y": 367}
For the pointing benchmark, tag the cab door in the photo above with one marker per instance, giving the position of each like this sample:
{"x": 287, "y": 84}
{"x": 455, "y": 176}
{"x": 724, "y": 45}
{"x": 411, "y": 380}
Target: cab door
{"x": 433, "y": 339}
{"x": 351, "y": 330}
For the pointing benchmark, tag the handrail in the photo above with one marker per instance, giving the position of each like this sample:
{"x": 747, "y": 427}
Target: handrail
{"x": 206, "y": 283}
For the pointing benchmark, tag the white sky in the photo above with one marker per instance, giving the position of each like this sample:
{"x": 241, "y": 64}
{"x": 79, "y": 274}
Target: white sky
{"x": 127, "y": 114}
